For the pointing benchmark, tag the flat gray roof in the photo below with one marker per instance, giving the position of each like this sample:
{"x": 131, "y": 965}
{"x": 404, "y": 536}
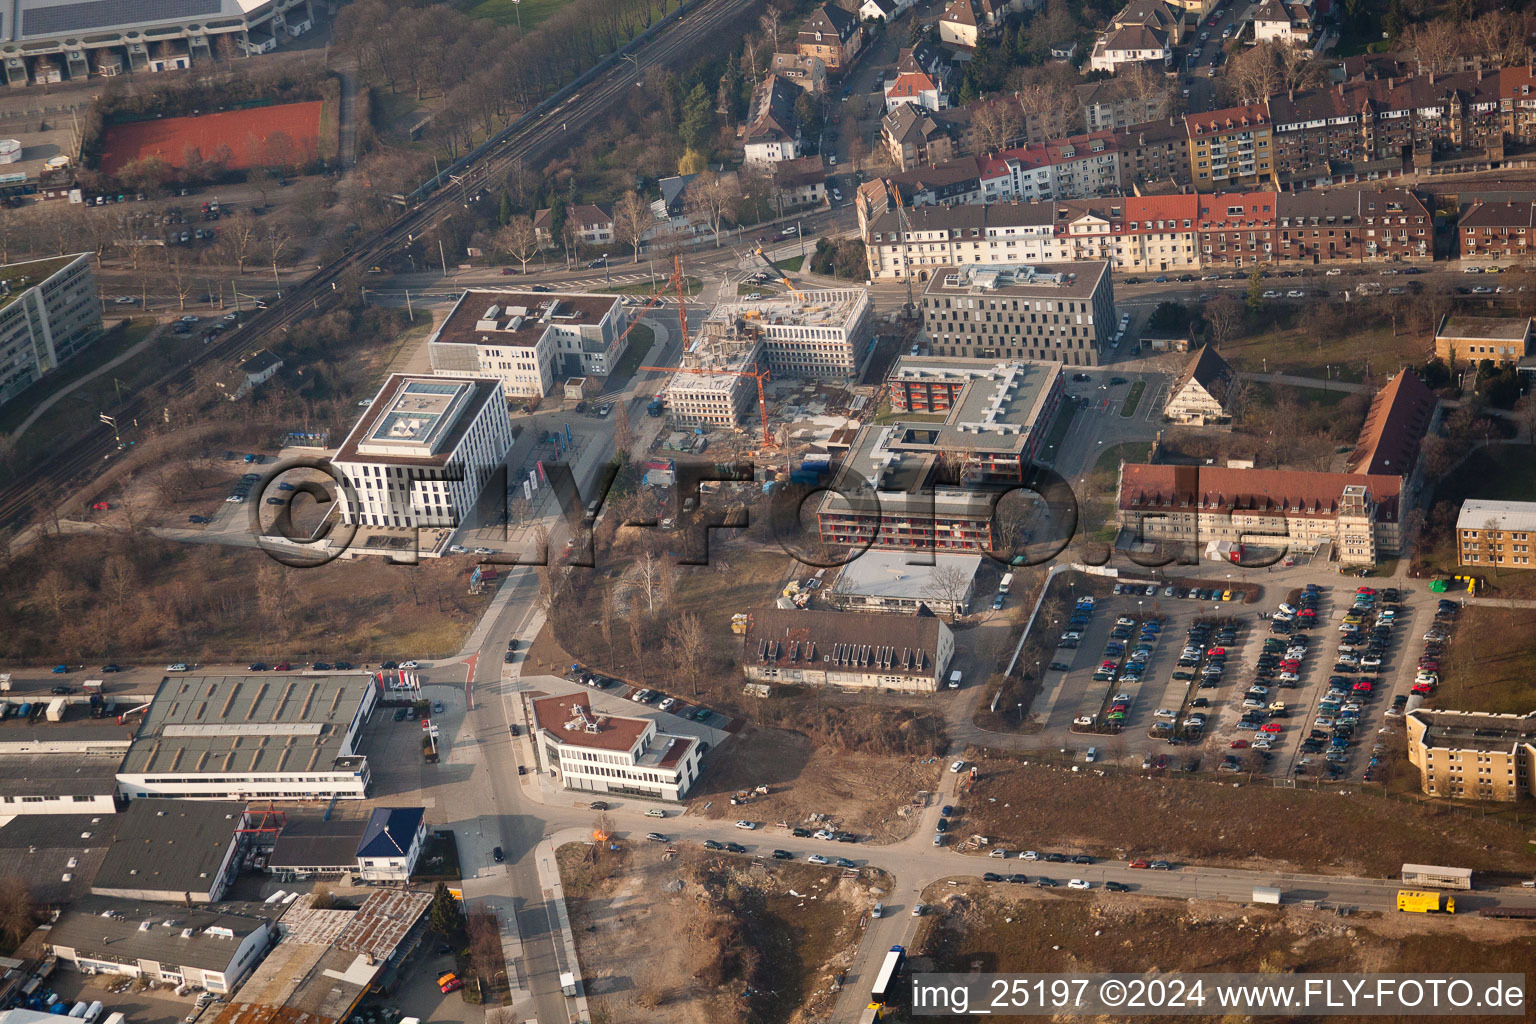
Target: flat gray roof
{"x": 1485, "y": 328}
{"x": 250, "y": 724}
{"x": 215, "y": 934}
{"x": 1506, "y": 515}
{"x": 879, "y": 573}
{"x": 168, "y": 845}
{"x": 1042, "y": 281}
{"x": 40, "y": 848}
{"x": 55, "y": 775}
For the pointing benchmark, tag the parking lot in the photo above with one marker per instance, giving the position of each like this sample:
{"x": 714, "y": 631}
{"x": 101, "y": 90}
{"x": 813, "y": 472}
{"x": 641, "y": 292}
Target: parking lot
{"x": 1250, "y": 688}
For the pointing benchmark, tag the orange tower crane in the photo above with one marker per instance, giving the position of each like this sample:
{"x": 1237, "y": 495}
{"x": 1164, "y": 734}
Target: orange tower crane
{"x": 678, "y": 281}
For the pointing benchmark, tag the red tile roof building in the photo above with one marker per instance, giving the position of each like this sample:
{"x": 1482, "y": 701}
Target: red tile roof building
{"x": 599, "y": 753}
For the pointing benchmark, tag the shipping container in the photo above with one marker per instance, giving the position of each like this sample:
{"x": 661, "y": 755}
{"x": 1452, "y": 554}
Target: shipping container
{"x": 1430, "y": 876}
{"x": 56, "y": 709}
{"x": 1266, "y": 894}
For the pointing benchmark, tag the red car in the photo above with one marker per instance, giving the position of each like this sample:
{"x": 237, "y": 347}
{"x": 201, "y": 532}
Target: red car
{"x": 1216, "y": 652}
{"x": 1429, "y": 664}
{"x": 100, "y": 506}
{"x": 1423, "y": 690}
{"x": 1290, "y": 665}
{"x": 1307, "y": 613}
{"x": 1365, "y": 590}
{"x": 1270, "y": 727}
{"x": 282, "y": 666}
{"x": 1239, "y": 744}
{"x": 1137, "y": 863}
{"x": 452, "y": 986}
{"x": 1362, "y": 687}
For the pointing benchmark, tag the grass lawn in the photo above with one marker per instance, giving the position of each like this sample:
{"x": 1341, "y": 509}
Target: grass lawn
{"x": 1110, "y": 459}
{"x": 1293, "y": 350}
{"x": 640, "y": 340}
{"x": 106, "y": 348}
{"x": 1496, "y": 472}
{"x": 508, "y": 12}
{"x": 793, "y": 263}
{"x": 692, "y": 284}
{"x": 885, "y": 414}
{"x": 1490, "y": 664}
{"x": 1133, "y": 399}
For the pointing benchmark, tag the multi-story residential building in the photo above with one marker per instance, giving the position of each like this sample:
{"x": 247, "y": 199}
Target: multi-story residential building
{"x": 1354, "y": 516}
{"x": 933, "y": 486}
{"x": 1282, "y": 22}
{"x": 1075, "y": 168}
{"x": 1062, "y": 313}
{"x": 956, "y": 181}
{"x": 1115, "y": 103}
{"x": 1157, "y": 234}
{"x": 528, "y": 340}
{"x": 832, "y": 34}
{"x": 772, "y": 131}
{"x": 1496, "y": 534}
{"x": 800, "y": 182}
{"x": 821, "y": 333}
{"x": 1203, "y": 392}
{"x": 1330, "y": 225}
{"x": 1462, "y": 340}
{"x": 1497, "y": 230}
{"x": 1236, "y": 228}
{"x": 847, "y": 649}
{"x": 598, "y": 753}
{"x": 593, "y": 225}
{"x": 250, "y": 737}
{"x": 1229, "y": 147}
{"x": 49, "y": 311}
{"x": 809, "y": 73}
{"x": 423, "y": 451}
{"x": 965, "y": 23}
{"x": 1131, "y": 44}
{"x": 915, "y": 137}
{"x": 921, "y": 79}
{"x": 1471, "y": 755}
{"x": 1153, "y": 154}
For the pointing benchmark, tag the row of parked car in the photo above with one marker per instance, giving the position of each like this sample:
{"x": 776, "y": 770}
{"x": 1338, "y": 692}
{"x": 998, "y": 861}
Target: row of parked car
{"x": 1203, "y": 658}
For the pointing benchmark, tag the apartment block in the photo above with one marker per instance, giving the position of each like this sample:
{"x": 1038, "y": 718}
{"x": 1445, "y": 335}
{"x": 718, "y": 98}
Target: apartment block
{"x": 1496, "y": 534}
{"x": 1062, "y": 313}
{"x": 1473, "y": 756}
{"x": 50, "y": 310}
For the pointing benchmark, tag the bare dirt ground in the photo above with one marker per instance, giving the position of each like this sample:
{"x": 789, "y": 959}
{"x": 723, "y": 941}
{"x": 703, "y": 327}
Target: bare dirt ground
{"x": 977, "y": 929}
{"x": 871, "y": 794}
{"x": 677, "y": 937}
{"x": 1118, "y": 813}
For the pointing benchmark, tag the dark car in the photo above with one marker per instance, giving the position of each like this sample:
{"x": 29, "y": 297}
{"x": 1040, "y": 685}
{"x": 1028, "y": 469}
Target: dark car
{"x": 256, "y": 666}
{"x": 111, "y": 668}
{"x": 343, "y": 666}
{"x": 942, "y": 826}
{"x": 508, "y": 658}
{"x": 1117, "y": 887}
{"x": 847, "y": 837}
{"x": 512, "y": 645}
{"x": 783, "y": 855}
{"x": 199, "y": 519}
{"x": 1056, "y": 858}
{"x": 735, "y": 848}
{"x": 399, "y": 714}
{"x": 1082, "y": 858}
{"x": 991, "y": 876}
{"x": 497, "y": 855}
{"x": 711, "y": 844}
{"x": 800, "y": 833}
{"x": 321, "y": 666}
{"x": 63, "y": 689}
{"x": 947, "y": 811}
{"x": 1018, "y": 879}
{"x": 390, "y": 664}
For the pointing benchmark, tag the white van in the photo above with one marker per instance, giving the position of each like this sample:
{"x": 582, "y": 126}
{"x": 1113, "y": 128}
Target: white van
{"x": 1093, "y": 755}
{"x": 954, "y": 680}
{"x": 92, "y": 1012}
{"x": 1005, "y": 583}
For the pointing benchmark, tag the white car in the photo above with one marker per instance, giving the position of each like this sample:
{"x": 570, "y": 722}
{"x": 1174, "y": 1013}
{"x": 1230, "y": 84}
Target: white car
{"x": 188, "y": 319}
{"x": 825, "y": 834}
{"x": 1029, "y": 855}
{"x": 1079, "y": 883}
{"x": 125, "y": 300}
{"x": 832, "y": 159}
{"x": 817, "y": 858}
{"x": 179, "y": 666}
{"x": 457, "y": 549}
{"x": 1164, "y": 713}
{"x": 1271, "y": 294}
{"x": 1295, "y": 293}
{"x": 917, "y": 910}
{"x": 957, "y": 767}
{"x": 748, "y": 825}
{"x": 668, "y": 704}
{"x": 1332, "y": 272}
{"x": 837, "y": 195}
{"x": 410, "y": 664}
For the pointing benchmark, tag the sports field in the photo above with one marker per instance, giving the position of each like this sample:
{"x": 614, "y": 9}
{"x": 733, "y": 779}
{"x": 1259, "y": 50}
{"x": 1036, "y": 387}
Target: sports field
{"x": 506, "y": 11}
{"x": 284, "y": 135}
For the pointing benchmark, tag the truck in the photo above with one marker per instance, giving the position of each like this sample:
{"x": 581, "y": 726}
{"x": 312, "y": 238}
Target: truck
{"x": 1266, "y": 894}
{"x": 56, "y": 709}
{"x": 567, "y": 983}
{"x": 655, "y": 406}
{"x": 1412, "y": 901}
{"x": 1005, "y": 583}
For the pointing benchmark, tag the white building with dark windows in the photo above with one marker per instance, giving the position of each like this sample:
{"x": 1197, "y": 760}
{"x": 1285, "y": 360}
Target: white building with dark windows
{"x": 391, "y": 843}
{"x": 49, "y": 311}
{"x": 252, "y": 737}
{"x": 423, "y": 451}
{"x": 530, "y": 340}
{"x": 598, "y": 753}
{"x": 821, "y": 334}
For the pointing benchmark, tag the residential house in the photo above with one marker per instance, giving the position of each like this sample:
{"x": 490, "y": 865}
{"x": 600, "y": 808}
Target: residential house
{"x": 881, "y": 10}
{"x": 544, "y": 227}
{"x": 391, "y": 844}
{"x": 1158, "y": 235}
{"x": 847, "y": 649}
{"x": 832, "y": 34}
{"x": 1203, "y": 392}
{"x": 1154, "y": 154}
{"x": 914, "y": 137}
{"x": 253, "y": 371}
{"x": 1329, "y": 225}
{"x": 1230, "y": 147}
{"x": 800, "y": 182}
{"x": 1493, "y": 534}
{"x": 1132, "y": 44}
{"x": 671, "y": 211}
{"x": 1497, "y": 230}
{"x": 961, "y": 24}
{"x": 1236, "y": 229}
{"x": 922, "y": 79}
{"x": 1281, "y": 22}
{"x": 956, "y": 181}
{"x": 593, "y": 225}
{"x": 809, "y": 73}
{"x": 772, "y": 131}
{"x": 1117, "y": 103}
{"x": 1084, "y": 165}
{"x": 1468, "y": 340}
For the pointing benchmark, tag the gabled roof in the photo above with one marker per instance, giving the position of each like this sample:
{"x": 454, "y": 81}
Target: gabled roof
{"x": 390, "y": 831}
{"x": 588, "y": 216}
{"x": 1400, "y": 415}
{"x": 829, "y": 18}
{"x": 1227, "y": 119}
{"x": 1238, "y": 210}
{"x": 260, "y": 362}
{"x": 1136, "y": 37}
{"x": 1210, "y": 371}
{"x": 1147, "y": 210}
{"x": 961, "y": 12}
{"x": 886, "y": 7}
{"x": 1270, "y": 11}
{"x": 1156, "y": 13}
{"x": 950, "y": 172}
{"x": 1300, "y": 493}
{"x": 911, "y": 85}
{"x": 805, "y": 170}
{"x": 773, "y": 110}
{"x": 1513, "y": 214}
{"x": 674, "y": 189}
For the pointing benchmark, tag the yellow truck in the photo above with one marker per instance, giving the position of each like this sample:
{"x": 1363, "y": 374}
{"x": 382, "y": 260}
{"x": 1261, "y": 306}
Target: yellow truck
{"x": 1413, "y": 901}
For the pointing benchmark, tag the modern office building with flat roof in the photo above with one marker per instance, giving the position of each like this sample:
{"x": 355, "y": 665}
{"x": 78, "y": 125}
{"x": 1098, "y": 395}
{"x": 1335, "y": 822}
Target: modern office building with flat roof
{"x": 1060, "y": 312}
{"x": 49, "y": 311}
{"x": 822, "y": 334}
{"x": 934, "y": 485}
{"x": 530, "y": 340}
{"x": 600, "y": 753}
{"x": 250, "y": 737}
{"x": 423, "y": 451}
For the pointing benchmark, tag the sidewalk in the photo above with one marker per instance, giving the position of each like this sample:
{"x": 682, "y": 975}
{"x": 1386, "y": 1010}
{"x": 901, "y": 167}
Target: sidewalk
{"x": 554, "y": 896}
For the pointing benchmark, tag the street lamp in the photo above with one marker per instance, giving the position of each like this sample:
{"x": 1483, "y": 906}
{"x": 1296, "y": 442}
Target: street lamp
{"x": 606, "y": 275}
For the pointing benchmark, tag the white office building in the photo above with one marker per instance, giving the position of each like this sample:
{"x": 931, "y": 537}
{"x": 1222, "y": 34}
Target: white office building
{"x": 252, "y": 737}
{"x": 49, "y": 311}
{"x": 599, "y": 753}
{"x": 423, "y": 451}
{"x": 530, "y": 340}
{"x": 822, "y": 334}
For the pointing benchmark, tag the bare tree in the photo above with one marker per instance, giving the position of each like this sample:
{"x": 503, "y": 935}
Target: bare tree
{"x": 1433, "y": 43}
{"x": 181, "y": 279}
{"x": 1225, "y": 315}
{"x": 275, "y": 244}
{"x": 519, "y": 240}
{"x": 950, "y": 584}
{"x": 623, "y": 433}
{"x": 770, "y": 25}
{"x": 997, "y": 124}
{"x": 1255, "y": 74}
{"x": 57, "y": 590}
{"x": 632, "y": 218}
{"x": 605, "y": 622}
{"x": 485, "y": 952}
{"x": 712, "y": 196}
{"x": 690, "y": 647}
{"x": 119, "y": 579}
{"x": 646, "y": 578}
{"x": 1500, "y": 37}
{"x": 237, "y": 235}
{"x": 18, "y": 910}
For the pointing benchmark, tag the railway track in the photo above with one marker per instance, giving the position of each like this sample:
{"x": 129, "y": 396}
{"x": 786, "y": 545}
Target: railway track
{"x": 700, "y": 27}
